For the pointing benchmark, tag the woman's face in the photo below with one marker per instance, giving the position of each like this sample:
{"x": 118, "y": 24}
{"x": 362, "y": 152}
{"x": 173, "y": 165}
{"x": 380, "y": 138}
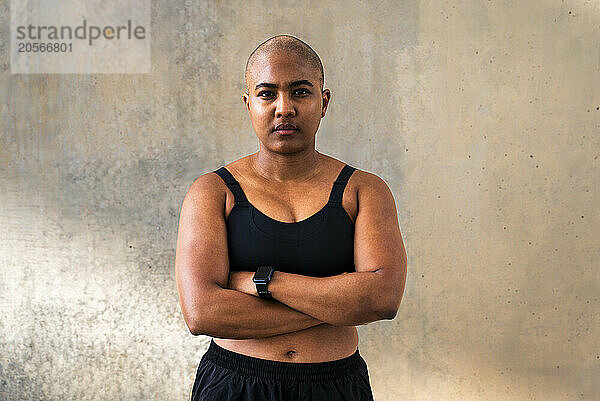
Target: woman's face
{"x": 284, "y": 90}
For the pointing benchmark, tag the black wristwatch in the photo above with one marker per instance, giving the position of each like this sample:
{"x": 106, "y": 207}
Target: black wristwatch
{"x": 261, "y": 279}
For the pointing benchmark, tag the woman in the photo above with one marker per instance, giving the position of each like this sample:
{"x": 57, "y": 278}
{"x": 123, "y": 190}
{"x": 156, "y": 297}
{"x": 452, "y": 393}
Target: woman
{"x": 280, "y": 254}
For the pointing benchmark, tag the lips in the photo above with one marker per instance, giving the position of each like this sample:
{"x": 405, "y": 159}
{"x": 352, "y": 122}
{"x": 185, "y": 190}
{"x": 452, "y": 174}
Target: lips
{"x": 285, "y": 127}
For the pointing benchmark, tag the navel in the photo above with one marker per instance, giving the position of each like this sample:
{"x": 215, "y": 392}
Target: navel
{"x": 291, "y": 354}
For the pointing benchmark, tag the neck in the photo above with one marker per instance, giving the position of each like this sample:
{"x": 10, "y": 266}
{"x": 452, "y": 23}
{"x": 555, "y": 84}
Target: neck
{"x": 279, "y": 167}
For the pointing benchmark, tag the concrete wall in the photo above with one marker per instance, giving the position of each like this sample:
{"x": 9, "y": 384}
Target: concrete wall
{"x": 482, "y": 116}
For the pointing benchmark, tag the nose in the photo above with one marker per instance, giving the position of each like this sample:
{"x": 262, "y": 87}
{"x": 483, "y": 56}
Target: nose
{"x": 284, "y": 107}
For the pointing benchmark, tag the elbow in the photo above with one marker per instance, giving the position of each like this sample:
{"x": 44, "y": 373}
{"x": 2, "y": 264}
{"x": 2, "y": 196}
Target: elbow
{"x": 200, "y": 315}
{"x": 199, "y": 326}
{"x": 194, "y": 326}
{"x": 390, "y": 310}
{"x": 199, "y": 322}
{"x": 389, "y": 314}
{"x": 390, "y": 303}
{"x": 195, "y": 329}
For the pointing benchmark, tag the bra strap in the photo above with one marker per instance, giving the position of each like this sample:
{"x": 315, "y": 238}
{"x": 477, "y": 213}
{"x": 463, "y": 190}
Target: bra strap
{"x": 337, "y": 192}
{"x": 233, "y": 185}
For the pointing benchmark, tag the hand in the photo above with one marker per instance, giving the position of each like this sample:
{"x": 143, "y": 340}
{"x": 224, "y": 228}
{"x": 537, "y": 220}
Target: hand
{"x": 242, "y": 281}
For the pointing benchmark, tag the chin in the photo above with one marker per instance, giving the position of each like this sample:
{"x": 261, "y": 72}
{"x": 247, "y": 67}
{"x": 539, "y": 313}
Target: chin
{"x": 288, "y": 147}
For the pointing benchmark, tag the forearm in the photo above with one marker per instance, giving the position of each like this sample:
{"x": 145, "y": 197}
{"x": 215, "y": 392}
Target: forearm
{"x": 228, "y": 313}
{"x": 348, "y": 299}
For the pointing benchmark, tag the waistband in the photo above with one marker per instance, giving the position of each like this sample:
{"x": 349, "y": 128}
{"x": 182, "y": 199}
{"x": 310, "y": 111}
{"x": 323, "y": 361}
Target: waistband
{"x": 283, "y": 371}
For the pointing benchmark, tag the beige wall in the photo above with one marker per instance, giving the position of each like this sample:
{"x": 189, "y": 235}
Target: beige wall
{"x": 482, "y": 116}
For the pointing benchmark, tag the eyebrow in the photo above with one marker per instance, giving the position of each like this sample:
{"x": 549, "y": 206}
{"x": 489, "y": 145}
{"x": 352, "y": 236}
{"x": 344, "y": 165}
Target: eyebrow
{"x": 292, "y": 84}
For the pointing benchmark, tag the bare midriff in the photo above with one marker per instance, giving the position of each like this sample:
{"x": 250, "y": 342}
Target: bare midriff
{"x": 320, "y": 343}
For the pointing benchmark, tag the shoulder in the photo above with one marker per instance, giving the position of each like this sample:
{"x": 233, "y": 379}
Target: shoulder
{"x": 208, "y": 187}
{"x": 334, "y": 164}
{"x": 211, "y": 181}
{"x": 370, "y": 188}
{"x": 211, "y": 187}
{"x": 362, "y": 180}
{"x": 366, "y": 181}
{"x": 369, "y": 180}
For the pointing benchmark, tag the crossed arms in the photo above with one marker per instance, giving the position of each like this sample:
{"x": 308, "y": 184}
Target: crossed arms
{"x": 218, "y": 303}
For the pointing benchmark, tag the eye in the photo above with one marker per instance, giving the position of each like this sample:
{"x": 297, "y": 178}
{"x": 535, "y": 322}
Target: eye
{"x": 302, "y": 91}
{"x": 265, "y": 94}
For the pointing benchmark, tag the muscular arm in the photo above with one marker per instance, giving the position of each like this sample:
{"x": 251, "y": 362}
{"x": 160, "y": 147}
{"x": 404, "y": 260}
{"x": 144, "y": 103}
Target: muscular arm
{"x": 202, "y": 269}
{"x": 371, "y": 293}
{"x": 233, "y": 314}
{"x": 348, "y": 299}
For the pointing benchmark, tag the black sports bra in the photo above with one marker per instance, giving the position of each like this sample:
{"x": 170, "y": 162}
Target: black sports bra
{"x": 320, "y": 245}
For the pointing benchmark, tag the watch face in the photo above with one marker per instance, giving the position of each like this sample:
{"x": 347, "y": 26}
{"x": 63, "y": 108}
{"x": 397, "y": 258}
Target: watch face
{"x": 262, "y": 273}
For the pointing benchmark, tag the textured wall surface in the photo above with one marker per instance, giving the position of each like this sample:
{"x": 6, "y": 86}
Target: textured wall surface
{"x": 482, "y": 116}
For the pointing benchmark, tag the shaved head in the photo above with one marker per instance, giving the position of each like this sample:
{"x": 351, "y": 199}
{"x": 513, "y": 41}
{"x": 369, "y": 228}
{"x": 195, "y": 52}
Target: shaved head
{"x": 285, "y": 44}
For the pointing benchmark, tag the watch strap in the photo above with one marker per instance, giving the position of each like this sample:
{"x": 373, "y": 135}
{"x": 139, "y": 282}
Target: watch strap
{"x": 262, "y": 290}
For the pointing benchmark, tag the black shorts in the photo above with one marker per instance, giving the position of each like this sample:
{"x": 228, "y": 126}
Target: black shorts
{"x": 226, "y": 375}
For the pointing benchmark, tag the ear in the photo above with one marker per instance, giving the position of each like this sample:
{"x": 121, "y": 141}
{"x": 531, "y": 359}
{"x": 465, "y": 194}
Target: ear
{"x": 326, "y": 98}
{"x": 245, "y": 99}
